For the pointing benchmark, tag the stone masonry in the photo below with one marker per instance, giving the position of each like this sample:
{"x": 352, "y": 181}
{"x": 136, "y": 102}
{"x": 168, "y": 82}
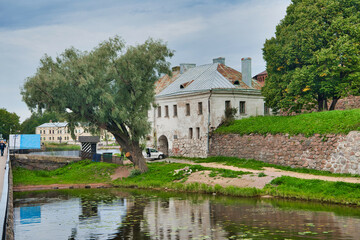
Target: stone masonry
{"x": 189, "y": 148}
{"x": 38, "y": 162}
{"x": 334, "y": 153}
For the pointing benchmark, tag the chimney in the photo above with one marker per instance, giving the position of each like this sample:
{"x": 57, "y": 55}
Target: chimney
{"x": 246, "y": 70}
{"x": 185, "y": 66}
{"x": 219, "y": 60}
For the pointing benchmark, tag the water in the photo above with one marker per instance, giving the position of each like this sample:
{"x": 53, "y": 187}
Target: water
{"x": 135, "y": 214}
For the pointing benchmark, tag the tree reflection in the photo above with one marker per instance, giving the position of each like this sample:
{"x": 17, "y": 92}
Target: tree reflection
{"x": 131, "y": 226}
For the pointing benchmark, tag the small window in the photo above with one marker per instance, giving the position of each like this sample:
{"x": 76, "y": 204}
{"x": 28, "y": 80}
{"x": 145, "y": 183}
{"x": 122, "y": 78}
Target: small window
{"x": 266, "y": 110}
{"x": 175, "y": 110}
{"x": 237, "y": 82}
{"x": 166, "y": 111}
{"x": 200, "y": 108}
{"x": 40, "y": 131}
{"x": 198, "y": 133}
{"x": 242, "y": 107}
{"x": 159, "y": 111}
{"x": 227, "y": 105}
{"x": 190, "y": 133}
{"x": 188, "y": 109}
{"x": 175, "y": 137}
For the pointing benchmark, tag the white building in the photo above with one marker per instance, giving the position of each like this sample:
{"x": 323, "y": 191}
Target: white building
{"x": 58, "y": 132}
{"x": 192, "y": 103}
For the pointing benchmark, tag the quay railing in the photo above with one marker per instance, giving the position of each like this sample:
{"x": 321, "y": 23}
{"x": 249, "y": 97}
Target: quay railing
{"x": 5, "y": 199}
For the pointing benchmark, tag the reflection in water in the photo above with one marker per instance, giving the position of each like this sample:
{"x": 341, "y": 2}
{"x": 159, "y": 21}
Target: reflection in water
{"x": 116, "y": 214}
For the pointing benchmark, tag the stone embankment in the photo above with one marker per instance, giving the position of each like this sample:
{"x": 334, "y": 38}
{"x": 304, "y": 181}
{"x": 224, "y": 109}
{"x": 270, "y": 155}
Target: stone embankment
{"x": 334, "y": 153}
{"x": 39, "y": 162}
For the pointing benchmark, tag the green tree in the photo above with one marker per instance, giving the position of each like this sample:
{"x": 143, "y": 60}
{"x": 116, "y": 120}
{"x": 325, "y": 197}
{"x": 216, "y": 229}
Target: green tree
{"x": 36, "y": 119}
{"x": 111, "y": 87}
{"x": 314, "y": 59}
{"x": 9, "y": 123}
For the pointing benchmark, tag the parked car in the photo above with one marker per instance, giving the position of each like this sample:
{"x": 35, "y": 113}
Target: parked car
{"x": 154, "y": 154}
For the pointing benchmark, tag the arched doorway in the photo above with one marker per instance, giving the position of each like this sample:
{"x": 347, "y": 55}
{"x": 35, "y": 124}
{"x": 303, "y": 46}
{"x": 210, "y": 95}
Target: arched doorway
{"x": 164, "y": 145}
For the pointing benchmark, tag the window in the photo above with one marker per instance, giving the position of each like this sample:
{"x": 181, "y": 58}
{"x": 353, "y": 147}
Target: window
{"x": 200, "y": 108}
{"x": 175, "y": 137}
{"x": 242, "y": 107}
{"x": 159, "y": 111}
{"x": 190, "y": 133}
{"x": 166, "y": 111}
{"x": 175, "y": 110}
{"x": 266, "y": 110}
{"x": 44, "y": 138}
{"x": 53, "y": 133}
{"x": 188, "y": 109}
{"x": 227, "y": 105}
{"x": 198, "y": 133}
{"x": 40, "y": 131}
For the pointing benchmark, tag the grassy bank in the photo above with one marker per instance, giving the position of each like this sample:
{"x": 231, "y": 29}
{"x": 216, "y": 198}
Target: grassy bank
{"x": 61, "y": 147}
{"x": 334, "y": 192}
{"x": 79, "y": 172}
{"x": 331, "y": 122}
{"x": 171, "y": 176}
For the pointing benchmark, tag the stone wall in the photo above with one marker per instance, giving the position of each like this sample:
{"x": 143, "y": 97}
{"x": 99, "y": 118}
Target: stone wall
{"x": 350, "y": 102}
{"x": 334, "y": 153}
{"x": 39, "y": 162}
{"x": 189, "y": 147}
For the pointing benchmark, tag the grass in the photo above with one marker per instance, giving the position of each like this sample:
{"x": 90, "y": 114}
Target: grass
{"x": 330, "y": 122}
{"x": 259, "y": 165}
{"x": 61, "y": 147}
{"x": 78, "y": 172}
{"x": 305, "y": 189}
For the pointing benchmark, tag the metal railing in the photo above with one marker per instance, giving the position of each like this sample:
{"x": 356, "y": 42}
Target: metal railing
{"x": 4, "y": 199}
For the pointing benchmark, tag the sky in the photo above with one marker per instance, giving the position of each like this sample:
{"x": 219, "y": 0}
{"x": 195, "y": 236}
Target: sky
{"x": 198, "y": 31}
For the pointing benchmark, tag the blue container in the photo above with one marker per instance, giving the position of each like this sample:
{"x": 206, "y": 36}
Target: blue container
{"x": 96, "y": 157}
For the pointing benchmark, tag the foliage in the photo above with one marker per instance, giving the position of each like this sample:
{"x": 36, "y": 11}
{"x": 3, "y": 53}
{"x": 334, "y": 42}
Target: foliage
{"x": 36, "y": 119}
{"x": 134, "y": 173}
{"x": 79, "y": 172}
{"x": 314, "y": 57}
{"x": 61, "y": 147}
{"x": 8, "y": 121}
{"x": 325, "y": 191}
{"x": 111, "y": 87}
{"x": 229, "y": 116}
{"x": 333, "y": 122}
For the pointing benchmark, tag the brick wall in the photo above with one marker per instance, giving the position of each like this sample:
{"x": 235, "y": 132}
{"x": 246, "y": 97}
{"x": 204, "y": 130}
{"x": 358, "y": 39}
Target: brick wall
{"x": 335, "y": 153}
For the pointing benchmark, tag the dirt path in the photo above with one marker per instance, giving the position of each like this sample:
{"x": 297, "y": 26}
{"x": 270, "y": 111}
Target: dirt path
{"x": 252, "y": 180}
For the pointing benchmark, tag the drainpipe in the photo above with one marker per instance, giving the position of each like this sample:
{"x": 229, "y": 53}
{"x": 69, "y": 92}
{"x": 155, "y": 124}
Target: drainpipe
{"x": 208, "y": 126}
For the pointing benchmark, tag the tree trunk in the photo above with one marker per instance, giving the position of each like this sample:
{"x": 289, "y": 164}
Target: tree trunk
{"x": 134, "y": 149}
{"x": 322, "y": 103}
{"x": 136, "y": 156}
{"x": 333, "y": 103}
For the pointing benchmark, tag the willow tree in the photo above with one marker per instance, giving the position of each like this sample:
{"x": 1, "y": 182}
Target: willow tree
{"x": 111, "y": 87}
{"x": 314, "y": 59}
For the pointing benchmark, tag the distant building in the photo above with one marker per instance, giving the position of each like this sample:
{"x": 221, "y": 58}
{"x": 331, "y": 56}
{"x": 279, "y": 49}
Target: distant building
{"x": 58, "y": 132}
{"x": 260, "y": 78}
{"x": 192, "y": 103}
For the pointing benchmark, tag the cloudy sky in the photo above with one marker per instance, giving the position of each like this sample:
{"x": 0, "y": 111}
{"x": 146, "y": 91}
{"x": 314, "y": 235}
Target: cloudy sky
{"x": 198, "y": 31}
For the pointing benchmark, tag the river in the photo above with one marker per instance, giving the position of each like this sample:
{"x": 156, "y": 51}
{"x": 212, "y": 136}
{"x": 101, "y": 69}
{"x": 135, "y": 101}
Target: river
{"x": 139, "y": 214}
